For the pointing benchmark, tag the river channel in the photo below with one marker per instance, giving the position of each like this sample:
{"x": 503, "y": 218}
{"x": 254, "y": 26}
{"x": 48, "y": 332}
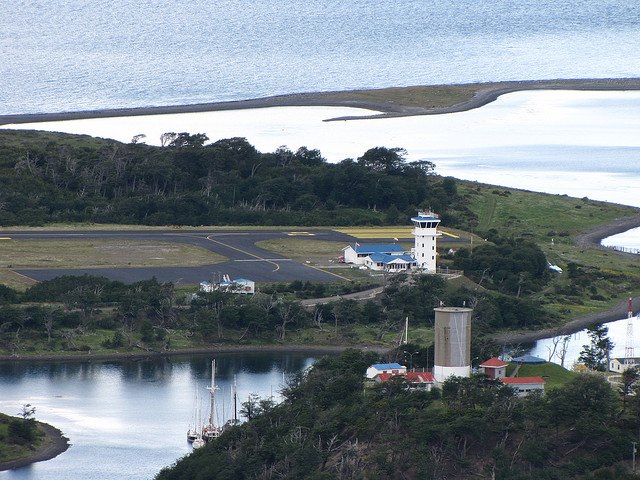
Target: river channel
{"x": 128, "y": 419}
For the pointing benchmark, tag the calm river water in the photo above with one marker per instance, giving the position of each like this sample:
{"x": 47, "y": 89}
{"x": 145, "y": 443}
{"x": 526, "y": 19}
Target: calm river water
{"x": 129, "y": 419}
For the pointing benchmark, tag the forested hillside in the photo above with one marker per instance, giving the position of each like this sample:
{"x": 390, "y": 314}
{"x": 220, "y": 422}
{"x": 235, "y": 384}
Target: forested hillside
{"x": 330, "y": 426}
{"x": 66, "y": 178}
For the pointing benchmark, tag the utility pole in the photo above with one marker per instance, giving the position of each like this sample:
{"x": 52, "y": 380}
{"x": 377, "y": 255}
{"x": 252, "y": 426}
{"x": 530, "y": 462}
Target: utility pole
{"x": 633, "y": 457}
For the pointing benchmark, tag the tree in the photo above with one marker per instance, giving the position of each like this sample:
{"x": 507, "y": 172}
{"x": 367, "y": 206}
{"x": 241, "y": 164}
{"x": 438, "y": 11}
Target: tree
{"x": 382, "y": 159}
{"x": 630, "y": 377}
{"x": 596, "y": 355}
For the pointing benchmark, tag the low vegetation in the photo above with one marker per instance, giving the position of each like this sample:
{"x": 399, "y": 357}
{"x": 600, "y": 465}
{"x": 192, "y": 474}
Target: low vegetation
{"x": 331, "y": 427}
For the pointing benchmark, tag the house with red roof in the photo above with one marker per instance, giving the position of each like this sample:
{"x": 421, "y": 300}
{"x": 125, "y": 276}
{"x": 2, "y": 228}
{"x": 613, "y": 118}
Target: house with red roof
{"x": 494, "y": 368}
{"x": 415, "y": 380}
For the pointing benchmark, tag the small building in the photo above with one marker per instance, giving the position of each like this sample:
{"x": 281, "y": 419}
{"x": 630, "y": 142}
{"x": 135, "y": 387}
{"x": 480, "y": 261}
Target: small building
{"x": 390, "y": 368}
{"x": 494, "y": 368}
{"x": 523, "y": 386}
{"x": 357, "y": 254}
{"x": 239, "y": 285}
{"x": 390, "y": 263}
{"x": 620, "y": 364}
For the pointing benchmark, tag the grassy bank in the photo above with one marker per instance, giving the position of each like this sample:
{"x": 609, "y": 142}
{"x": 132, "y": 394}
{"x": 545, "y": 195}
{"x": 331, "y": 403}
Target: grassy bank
{"x": 554, "y": 222}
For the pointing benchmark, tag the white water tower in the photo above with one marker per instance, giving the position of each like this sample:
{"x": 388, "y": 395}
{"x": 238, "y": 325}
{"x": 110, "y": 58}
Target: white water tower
{"x": 452, "y": 334}
{"x": 425, "y": 231}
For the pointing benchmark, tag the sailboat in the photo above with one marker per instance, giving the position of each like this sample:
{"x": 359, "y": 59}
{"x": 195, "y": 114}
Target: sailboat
{"x": 234, "y": 398}
{"x": 212, "y": 430}
{"x": 192, "y": 431}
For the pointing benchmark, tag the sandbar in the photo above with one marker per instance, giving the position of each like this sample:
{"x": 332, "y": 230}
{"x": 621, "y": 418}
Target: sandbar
{"x": 389, "y": 102}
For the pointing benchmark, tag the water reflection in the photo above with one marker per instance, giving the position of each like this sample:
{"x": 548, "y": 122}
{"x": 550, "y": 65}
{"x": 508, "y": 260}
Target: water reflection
{"x": 131, "y": 416}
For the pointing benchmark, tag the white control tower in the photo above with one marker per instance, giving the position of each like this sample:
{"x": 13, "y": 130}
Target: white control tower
{"x": 425, "y": 231}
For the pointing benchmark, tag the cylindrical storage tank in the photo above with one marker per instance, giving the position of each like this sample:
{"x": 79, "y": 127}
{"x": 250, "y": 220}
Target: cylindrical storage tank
{"x": 452, "y": 334}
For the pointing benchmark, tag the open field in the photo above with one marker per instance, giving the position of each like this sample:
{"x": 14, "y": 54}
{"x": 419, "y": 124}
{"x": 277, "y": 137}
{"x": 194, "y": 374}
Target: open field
{"x": 554, "y": 375}
{"x": 101, "y": 253}
{"x": 56, "y": 253}
{"x": 553, "y": 222}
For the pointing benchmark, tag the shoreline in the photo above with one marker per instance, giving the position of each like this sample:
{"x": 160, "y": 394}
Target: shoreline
{"x": 53, "y": 444}
{"x": 477, "y": 95}
{"x": 590, "y": 239}
{"x": 214, "y": 349}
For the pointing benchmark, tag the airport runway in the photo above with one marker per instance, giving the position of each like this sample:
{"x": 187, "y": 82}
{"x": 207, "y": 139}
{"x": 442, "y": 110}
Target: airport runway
{"x": 245, "y": 260}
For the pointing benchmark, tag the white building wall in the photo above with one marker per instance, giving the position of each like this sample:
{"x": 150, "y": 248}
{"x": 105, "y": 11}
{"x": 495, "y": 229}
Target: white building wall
{"x": 425, "y": 231}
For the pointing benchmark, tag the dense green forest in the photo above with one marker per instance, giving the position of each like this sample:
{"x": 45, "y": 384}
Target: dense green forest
{"x": 63, "y": 178}
{"x": 332, "y": 426}
{"x": 95, "y": 314}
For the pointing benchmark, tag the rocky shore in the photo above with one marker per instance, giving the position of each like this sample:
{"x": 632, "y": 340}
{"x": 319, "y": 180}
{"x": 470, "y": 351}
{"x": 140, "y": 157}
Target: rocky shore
{"x": 53, "y": 444}
{"x": 478, "y": 94}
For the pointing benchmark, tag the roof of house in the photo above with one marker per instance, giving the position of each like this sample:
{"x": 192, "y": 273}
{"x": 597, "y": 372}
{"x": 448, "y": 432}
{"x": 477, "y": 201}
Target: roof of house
{"x": 383, "y": 377}
{"x": 384, "y": 258}
{"x": 387, "y": 366}
{"x": 420, "y": 377}
{"x": 378, "y": 248}
{"x": 494, "y": 363}
{"x": 522, "y": 380}
{"x": 242, "y": 280}
{"x": 625, "y": 359}
{"x": 528, "y": 359}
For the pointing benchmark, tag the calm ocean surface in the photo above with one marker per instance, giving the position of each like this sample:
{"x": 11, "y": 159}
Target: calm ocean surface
{"x": 129, "y": 419}
{"x": 81, "y": 54}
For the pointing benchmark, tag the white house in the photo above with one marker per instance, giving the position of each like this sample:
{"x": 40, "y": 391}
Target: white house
{"x": 620, "y": 364}
{"x": 390, "y": 368}
{"x": 358, "y": 254}
{"x": 494, "y": 368}
{"x": 524, "y": 385}
{"x": 239, "y": 285}
{"x": 393, "y": 263}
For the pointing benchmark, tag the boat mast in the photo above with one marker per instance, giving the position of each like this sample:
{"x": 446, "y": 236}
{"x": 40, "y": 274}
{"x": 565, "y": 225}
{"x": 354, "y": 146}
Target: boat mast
{"x": 235, "y": 399}
{"x": 212, "y": 391}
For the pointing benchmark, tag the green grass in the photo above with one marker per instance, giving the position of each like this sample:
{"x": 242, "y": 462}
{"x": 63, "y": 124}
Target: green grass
{"x": 101, "y": 253}
{"x": 537, "y": 215}
{"x": 553, "y": 374}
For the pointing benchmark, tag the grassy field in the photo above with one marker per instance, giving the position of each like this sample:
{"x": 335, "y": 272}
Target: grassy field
{"x": 553, "y": 221}
{"x": 553, "y": 374}
{"x": 536, "y": 215}
{"x": 23, "y": 254}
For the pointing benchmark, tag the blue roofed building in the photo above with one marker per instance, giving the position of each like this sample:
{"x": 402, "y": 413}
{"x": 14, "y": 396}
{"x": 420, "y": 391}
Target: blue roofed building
{"x": 357, "y": 254}
{"x": 392, "y": 263}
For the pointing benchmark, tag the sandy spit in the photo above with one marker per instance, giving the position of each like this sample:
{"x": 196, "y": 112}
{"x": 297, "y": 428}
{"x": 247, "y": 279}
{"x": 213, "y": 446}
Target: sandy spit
{"x": 484, "y": 94}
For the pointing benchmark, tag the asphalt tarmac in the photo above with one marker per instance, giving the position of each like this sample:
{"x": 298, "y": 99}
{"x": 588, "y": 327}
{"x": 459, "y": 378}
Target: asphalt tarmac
{"x": 245, "y": 260}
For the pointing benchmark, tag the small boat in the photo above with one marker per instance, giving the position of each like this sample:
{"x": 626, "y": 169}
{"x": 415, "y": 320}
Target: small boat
{"x": 192, "y": 431}
{"x": 198, "y": 443}
{"x": 192, "y": 434}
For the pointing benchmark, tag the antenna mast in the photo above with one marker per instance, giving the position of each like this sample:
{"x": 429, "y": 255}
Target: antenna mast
{"x": 628, "y": 349}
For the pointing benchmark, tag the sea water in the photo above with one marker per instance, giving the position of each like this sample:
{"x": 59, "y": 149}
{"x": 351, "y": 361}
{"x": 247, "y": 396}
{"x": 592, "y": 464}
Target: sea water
{"x": 80, "y": 55}
{"x": 582, "y": 144}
